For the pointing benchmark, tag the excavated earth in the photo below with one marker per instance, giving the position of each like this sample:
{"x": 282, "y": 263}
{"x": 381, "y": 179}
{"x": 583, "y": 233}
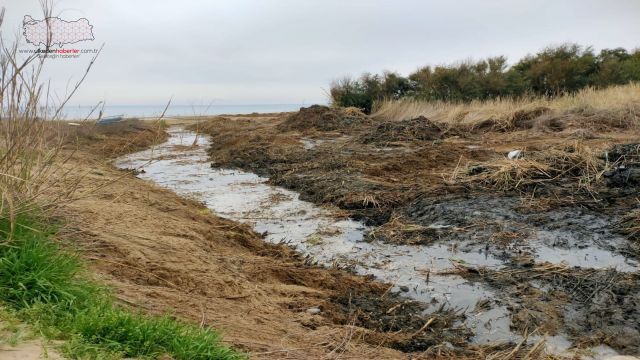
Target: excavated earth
{"x": 551, "y": 225}
{"x": 165, "y": 253}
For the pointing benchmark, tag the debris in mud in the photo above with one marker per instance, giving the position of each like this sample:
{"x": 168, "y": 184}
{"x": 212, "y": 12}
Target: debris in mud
{"x": 476, "y": 169}
{"x": 399, "y": 230}
{"x": 314, "y": 310}
{"x": 388, "y": 132}
{"x": 626, "y": 160}
{"x": 574, "y": 234}
{"x": 404, "y": 323}
{"x": 630, "y": 226}
{"x": 134, "y": 171}
{"x": 465, "y": 196}
{"x": 591, "y": 306}
{"x": 323, "y": 118}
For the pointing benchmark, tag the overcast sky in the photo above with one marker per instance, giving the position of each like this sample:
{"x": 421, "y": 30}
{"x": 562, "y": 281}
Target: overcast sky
{"x": 288, "y": 51}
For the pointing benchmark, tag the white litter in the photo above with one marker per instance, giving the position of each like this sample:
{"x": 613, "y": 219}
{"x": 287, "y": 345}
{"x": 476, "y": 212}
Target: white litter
{"x": 515, "y": 154}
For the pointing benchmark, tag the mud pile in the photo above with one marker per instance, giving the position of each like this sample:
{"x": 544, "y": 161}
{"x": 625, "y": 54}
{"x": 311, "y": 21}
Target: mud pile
{"x": 626, "y": 170}
{"x": 323, "y": 118}
{"x": 403, "y": 320}
{"x": 420, "y": 128}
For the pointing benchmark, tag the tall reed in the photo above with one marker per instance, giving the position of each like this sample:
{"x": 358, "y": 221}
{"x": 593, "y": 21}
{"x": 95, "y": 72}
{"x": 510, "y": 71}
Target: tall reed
{"x": 621, "y": 101}
{"x": 31, "y": 137}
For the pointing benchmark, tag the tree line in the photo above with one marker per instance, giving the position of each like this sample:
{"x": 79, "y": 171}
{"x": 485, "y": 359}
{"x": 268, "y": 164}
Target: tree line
{"x": 552, "y": 71}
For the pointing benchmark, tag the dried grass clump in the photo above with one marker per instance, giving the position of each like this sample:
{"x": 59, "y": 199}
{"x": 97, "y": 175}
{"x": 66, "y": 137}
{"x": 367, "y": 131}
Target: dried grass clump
{"x": 353, "y": 111}
{"x": 630, "y": 225}
{"x": 617, "y": 106}
{"x": 576, "y": 164}
{"x": 28, "y": 145}
{"x": 31, "y": 135}
{"x": 115, "y": 139}
{"x": 399, "y": 230}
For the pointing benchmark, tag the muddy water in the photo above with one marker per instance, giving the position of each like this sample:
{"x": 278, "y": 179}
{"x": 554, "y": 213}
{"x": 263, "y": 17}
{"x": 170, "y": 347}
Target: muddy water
{"x": 181, "y": 164}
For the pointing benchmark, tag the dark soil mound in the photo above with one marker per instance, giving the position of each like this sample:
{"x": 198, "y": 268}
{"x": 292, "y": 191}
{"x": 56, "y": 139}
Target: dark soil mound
{"x": 403, "y": 320}
{"x": 323, "y": 118}
{"x": 627, "y": 165}
{"x": 420, "y": 128}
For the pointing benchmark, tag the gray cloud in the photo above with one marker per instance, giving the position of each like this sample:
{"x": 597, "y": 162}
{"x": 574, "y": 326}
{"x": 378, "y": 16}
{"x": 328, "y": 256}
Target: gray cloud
{"x": 287, "y": 51}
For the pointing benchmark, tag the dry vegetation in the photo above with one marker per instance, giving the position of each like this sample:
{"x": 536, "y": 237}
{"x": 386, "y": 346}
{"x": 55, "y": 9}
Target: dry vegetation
{"x": 114, "y": 139}
{"x": 616, "y": 107}
{"x": 576, "y": 163}
{"x": 407, "y": 148}
{"x": 42, "y": 282}
{"x": 163, "y": 253}
{"x": 414, "y": 164}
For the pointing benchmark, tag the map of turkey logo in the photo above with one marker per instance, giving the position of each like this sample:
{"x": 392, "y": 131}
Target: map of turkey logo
{"x": 55, "y": 31}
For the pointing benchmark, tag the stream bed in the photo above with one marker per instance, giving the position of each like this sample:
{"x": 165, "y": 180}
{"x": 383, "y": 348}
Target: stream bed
{"x": 181, "y": 164}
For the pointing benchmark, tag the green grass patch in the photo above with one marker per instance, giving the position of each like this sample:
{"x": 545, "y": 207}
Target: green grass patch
{"x": 48, "y": 288}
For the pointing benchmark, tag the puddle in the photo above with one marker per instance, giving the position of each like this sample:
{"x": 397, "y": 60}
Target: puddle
{"x": 283, "y": 217}
{"x": 589, "y": 257}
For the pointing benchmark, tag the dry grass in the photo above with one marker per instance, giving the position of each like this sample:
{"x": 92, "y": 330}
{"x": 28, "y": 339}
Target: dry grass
{"x": 400, "y": 230}
{"x": 620, "y": 103}
{"x": 115, "y": 139}
{"x": 34, "y": 139}
{"x": 630, "y": 225}
{"x": 29, "y": 144}
{"x": 577, "y": 163}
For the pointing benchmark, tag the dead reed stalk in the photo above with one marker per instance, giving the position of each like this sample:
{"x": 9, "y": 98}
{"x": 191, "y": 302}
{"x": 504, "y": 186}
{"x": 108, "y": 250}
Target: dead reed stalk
{"x": 619, "y": 106}
{"x": 30, "y": 136}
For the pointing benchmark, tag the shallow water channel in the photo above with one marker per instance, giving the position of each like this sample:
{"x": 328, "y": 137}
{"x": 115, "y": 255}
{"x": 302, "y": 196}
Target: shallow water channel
{"x": 181, "y": 164}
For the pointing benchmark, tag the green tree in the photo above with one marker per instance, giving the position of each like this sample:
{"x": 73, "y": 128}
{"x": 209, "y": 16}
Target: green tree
{"x": 556, "y": 70}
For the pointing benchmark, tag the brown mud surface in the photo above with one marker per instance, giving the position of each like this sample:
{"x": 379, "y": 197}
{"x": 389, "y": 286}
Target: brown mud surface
{"x": 561, "y": 216}
{"x": 163, "y": 253}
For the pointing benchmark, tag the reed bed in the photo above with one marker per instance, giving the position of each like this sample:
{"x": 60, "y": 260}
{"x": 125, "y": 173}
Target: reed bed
{"x": 620, "y": 103}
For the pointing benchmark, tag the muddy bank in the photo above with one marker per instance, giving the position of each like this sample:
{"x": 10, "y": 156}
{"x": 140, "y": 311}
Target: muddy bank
{"x": 438, "y": 186}
{"x": 165, "y": 254}
{"x": 591, "y": 306}
{"x": 326, "y": 238}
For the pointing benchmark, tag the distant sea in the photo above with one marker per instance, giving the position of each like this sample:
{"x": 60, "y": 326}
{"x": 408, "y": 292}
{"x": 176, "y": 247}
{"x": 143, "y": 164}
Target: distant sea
{"x": 81, "y": 112}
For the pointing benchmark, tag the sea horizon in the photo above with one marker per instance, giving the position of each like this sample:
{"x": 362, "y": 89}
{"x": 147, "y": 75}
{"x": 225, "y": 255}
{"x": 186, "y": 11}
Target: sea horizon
{"x": 145, "y": 111}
